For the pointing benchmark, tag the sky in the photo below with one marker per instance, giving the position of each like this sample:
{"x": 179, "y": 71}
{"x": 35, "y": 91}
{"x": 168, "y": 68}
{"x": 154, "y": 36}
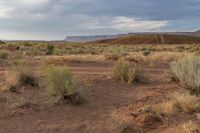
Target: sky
{"x": 55, "y": 19}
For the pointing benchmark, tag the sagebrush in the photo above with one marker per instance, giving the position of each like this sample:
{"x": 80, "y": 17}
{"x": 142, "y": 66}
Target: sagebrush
{"x": 186, "y": 72}
{"x": 62, "y": 83}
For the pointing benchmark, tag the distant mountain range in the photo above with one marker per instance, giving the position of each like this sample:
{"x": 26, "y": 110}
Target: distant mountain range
{"x": 89, "y": 38}
{"x": 105, "y": 37}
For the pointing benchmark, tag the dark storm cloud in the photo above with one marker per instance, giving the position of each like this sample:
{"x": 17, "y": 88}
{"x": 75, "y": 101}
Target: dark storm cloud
{"x": 53, "y": 19}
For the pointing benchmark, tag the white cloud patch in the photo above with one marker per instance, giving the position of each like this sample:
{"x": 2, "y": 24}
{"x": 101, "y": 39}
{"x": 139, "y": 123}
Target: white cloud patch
{"x": 5, "y": 10}
{"x": 32, "y": 2}
{"x": 126, "y": 24}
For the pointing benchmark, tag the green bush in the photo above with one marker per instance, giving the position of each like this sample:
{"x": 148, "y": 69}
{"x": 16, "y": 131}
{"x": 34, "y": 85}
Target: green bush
{"x": 186, "y": 72}
{"x": 50, "y": 49}
{"x": 122, "y": 71}
{"x": 61, "y": 83}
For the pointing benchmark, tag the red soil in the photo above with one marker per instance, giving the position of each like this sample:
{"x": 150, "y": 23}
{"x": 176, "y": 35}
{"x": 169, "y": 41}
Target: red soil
{"x": 104, "y": 97}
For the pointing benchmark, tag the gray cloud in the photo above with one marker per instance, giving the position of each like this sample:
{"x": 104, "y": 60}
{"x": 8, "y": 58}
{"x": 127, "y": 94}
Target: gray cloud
{"x": 53, "y": 19}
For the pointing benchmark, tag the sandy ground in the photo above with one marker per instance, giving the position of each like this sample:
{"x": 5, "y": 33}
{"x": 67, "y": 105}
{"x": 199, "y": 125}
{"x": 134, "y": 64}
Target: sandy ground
{"x": 104, "y": 96}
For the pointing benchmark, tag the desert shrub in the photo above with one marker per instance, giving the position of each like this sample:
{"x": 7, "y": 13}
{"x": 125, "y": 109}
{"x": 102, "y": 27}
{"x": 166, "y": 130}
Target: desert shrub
{"x": 122, "y": 71}
{"x": 20, "y": 75}
{"x": 49, "y": 49}
{"x": 186, "y": 72}
{"x": 186, "y": 102}
{"x": 61, "y": 83}
{"x": 3, "y": 55}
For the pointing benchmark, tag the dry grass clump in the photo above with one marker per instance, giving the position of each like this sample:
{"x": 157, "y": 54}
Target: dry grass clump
{"x": 114, "y": 54}
{"x": 111, "y": 56}
{"x": 62, "y": 84}
{"x": 191, "y": 127}
{"x": 178, "y": 102}
{"x": 24, "y": 99}
{"x": 155, "y": 56}
{"x": 74, "y": 59}
{"x": 166, "y": 56}
{"x": 122, "y": 71}
{"x": 165, "y": 108}
{"x": 186, "y": 72}
{"x": 20, "y": 75}
{"x": 146, "y": 116}
{"x": 186, "y": 102}
{"x": 135, "y": 56}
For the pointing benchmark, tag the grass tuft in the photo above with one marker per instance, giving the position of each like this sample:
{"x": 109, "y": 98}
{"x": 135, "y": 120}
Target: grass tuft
{"x": 122, "y": 71}
{"x": 19, "y": 76}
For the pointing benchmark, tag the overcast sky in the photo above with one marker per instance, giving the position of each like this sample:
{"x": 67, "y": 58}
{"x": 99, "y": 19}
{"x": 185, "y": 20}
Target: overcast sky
{"x": 55, "y": 19}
